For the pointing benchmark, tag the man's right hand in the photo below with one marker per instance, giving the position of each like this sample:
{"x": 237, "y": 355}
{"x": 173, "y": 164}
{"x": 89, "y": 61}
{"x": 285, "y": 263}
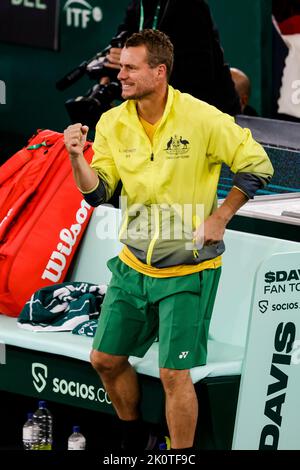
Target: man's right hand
{"x": 113, "y": 58}
{"x": 112, "y": 61}
{"x": 75, "y": 138}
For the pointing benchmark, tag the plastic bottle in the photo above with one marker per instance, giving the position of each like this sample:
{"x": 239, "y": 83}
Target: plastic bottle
{"x": 43, "y": 418}
{"x": 76, "y": 440}
{"x": 30, "y": 433}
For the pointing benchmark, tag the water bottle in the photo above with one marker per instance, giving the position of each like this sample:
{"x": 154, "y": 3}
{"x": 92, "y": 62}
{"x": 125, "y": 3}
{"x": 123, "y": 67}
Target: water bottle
{"x": 28, "y": 432}
{"x": 76, "y": 440}
{"x": 43, "y": 418}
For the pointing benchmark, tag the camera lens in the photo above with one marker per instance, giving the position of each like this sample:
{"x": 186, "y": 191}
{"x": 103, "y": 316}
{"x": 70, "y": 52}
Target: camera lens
{"x": 89, "y": 108}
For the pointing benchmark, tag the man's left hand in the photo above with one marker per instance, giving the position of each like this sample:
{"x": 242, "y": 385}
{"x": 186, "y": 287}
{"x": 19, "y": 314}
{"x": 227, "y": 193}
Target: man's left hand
{"x": 211, "y": 231}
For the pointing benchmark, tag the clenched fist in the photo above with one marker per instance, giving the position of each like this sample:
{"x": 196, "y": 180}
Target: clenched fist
{"x": 75, "y": 138}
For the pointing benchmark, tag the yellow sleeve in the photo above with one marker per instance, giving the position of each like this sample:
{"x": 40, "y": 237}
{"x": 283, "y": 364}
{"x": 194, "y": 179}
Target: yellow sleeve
{"x": 103, "y": 162}
{"x": 235, "y": 146}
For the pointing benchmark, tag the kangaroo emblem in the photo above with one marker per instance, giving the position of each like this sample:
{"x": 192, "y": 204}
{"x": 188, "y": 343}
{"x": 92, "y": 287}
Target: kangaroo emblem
{"x": 177, "y": 147}
{"x": 169, "y": 144}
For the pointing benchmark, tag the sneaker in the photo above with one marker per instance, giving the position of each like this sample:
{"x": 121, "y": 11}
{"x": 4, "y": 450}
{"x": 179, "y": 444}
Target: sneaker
{"x": 165, "y": 444}
{"x": 154, "y": 438}
{"x": 158, "y": 443}
{"x": 152, "y": 442}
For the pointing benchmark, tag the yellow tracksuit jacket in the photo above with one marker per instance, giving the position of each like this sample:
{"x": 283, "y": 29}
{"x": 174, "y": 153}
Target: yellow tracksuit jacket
{"x": 170, "y": 184}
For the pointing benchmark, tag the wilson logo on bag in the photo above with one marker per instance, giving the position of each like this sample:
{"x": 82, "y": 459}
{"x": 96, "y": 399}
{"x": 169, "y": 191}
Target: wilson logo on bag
{"x": 42, "y": 218}
{"x": 67, "y": 240}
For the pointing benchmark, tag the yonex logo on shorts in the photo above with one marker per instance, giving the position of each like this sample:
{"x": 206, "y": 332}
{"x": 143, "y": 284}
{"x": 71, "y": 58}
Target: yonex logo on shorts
{"x": 183, "y": 354}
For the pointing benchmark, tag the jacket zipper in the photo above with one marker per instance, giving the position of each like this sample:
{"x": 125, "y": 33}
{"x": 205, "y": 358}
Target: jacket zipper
{"x": 155, "y": 236}
{"x": 156, "y": 221}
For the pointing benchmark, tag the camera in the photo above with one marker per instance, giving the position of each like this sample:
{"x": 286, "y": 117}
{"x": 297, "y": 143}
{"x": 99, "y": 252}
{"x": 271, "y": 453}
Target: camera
{"x": 96, "y": 68}
{"x": 98, "y": 99}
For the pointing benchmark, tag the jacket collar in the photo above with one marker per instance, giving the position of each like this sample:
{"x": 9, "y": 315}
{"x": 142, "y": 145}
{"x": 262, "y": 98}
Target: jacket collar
{"x": 130, "y": 118}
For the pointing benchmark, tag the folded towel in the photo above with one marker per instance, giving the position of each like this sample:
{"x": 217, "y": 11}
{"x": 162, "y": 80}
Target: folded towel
{"x": 62, "y": 307}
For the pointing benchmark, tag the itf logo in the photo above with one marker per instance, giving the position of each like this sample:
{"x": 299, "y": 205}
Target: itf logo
{"x": 80, "y": 12}
{"x": 39, "y": 374}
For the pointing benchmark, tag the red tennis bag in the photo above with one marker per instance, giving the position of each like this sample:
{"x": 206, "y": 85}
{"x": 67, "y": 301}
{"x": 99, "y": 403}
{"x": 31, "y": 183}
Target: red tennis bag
{"x": 42, "y": 218}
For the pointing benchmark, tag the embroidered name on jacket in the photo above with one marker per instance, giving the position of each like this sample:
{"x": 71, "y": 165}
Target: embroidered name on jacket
{"x": 127, "y": 152}
{"x": 177, "y": 147}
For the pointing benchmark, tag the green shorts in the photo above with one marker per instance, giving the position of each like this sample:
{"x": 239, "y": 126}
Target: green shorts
{"x": 138, "y": 309}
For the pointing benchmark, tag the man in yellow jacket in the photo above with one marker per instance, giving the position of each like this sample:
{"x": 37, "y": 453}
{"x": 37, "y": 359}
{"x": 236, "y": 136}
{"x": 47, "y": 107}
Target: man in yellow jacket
{"x": 167, "y": 149}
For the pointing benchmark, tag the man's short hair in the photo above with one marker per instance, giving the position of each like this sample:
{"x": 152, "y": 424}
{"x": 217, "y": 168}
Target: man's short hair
{"x": 159, "y": 47}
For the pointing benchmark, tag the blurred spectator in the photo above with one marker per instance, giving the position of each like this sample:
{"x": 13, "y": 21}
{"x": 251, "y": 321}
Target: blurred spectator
{"x": 199, "y": 67}
{"x": 286, "y": 59}
{"x": 283, "y": 10}
{"x": 243, "y": 88}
